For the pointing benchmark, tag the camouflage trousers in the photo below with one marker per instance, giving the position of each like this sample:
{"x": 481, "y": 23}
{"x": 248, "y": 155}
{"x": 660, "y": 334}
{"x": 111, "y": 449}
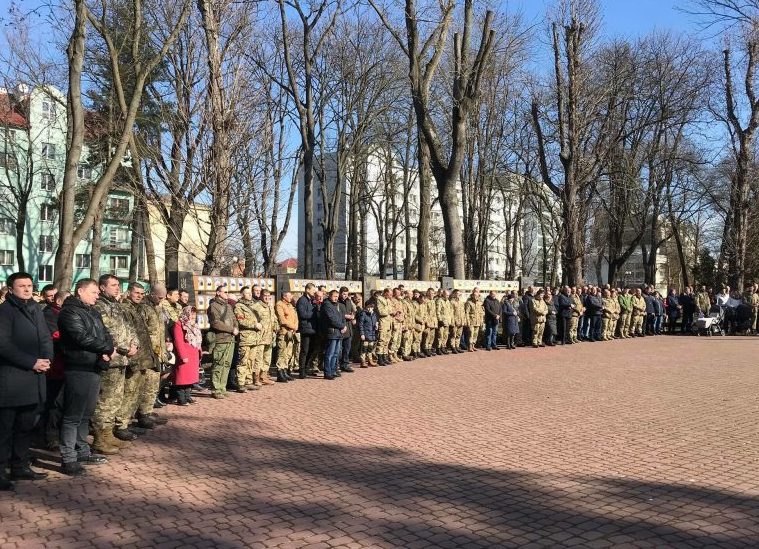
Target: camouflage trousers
{"x": 385, "y": 334}
{"x": 456, "y": 333}
{"x": 396, "y": 338}
{"x": 106, "y": 414}
{"x": 442, "y": 337}
{"x": 134, "y": 384}
{"x": 286, "y": 357}
{"x": 367, "y": 350}
{"x": 263, "y": 359}
{"x": 573, "y": 323}
{"x": 428, "y": 343}
{"x": 416, "y": 347}
{"x": 623, "y": 324}
{"x": 222, "y": 363}
{"x": 537, "y": 332}
{"x": 149, "y": 392}
{"x": 245, "y": 365}
{"x": 636, "y": 325}
{"x": 407, "y": 342}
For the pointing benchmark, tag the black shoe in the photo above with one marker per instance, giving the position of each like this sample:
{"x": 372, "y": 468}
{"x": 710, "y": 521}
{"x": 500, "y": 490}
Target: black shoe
{"x": 158, "y": 420}
{"x": 159, "y": 403}
{"x": 134, "y": 429}
{"x": 93, "y": 459}
{"x": 337, "y": 373}
{"x": 328, "y": 377}
{"x": 72, "y": 469}
{"x": 146, "y": 423}
{"x": 287, "y": 375}
{"x": 26, "y": 473}
{"x": 348, "y": 369}
{"x": 125, "y": 434}
{"x": 241, "y": 390}
{"x": 281, "y": 377}
{"x": 5, "y": 484}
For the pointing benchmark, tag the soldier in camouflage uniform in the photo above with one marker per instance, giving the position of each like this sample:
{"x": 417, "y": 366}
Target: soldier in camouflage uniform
{"x": 459, "y": 320}
{"x": 105, "y": 416}
{"x": 418, "y": 323}
{"x": 286, "y": 335}
{"x": 475, "y": 318}
{"x": 431, "y": 323}
{"x": 538, "y": 312}
{"x": 444, "y": 313}
{"x": 638, "y": 314}
{"x": 249, "y": 324}
{"x": 158, "y": 326}
{"x": 625, "y": 310}
{"x": 137, "y": 378}
{"x": 263, "y": 353}
{"x": 407, "y": 341}
{"x": 607, "y": 315}
{"x": 170, "y": 307}
{"x": 577, "y": 312}
{"x": 397, "y": 325}
{"x": 385, "y": 326}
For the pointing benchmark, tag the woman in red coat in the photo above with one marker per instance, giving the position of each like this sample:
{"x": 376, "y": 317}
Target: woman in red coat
{"x": 187, "y": 343}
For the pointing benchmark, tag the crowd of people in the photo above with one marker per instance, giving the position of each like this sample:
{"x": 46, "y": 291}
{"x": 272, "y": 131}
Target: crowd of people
{"x": 99, "y": 362}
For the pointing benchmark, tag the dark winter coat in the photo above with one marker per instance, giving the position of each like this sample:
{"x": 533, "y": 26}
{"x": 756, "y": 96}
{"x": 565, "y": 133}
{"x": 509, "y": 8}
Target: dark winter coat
{"x": 594, "y": 305}
{"x": 331, "y": 320}
{"x": 564, "y": 305}
{"x": 84, "y": 337}
{"x": 492, "y": 309}
{"x": 307, "y": 316}
{"x": 510, "y": 316}
{"x": 367, "y": 325}
{"x": 24, "y": 338}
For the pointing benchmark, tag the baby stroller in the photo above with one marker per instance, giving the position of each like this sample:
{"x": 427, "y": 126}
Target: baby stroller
{"x": 711, "y": 324}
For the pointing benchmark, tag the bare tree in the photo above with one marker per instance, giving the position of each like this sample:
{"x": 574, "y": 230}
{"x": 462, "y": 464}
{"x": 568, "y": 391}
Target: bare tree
{"x": 128, "y": 95}
{"x": 424, "y": 57}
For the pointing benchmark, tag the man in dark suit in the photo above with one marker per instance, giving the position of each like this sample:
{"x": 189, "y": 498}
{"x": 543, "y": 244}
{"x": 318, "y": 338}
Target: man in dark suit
{"x": 565, "y": 307}
{"x": 26, "y": 351}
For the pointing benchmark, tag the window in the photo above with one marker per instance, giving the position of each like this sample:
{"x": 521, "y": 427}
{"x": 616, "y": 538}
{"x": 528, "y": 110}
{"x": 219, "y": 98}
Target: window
{"x": 119, "y": 204}
{"x": 7, "y": 226}
{"x": 118, "y": 235}
{"x": 48, "y": 151}
{"x": 7, "y": 258}
{"x": 48, "y": 182}
{"x": 8, "y": 160}
{"x": 48, "y": 109}
{"x": 45, "y": 273}
{"x": 119, "y": 262}
{"x": 47, "y": 212}
{"x": 84, "y": 172}
{"x": 46, "y": 243}
{"x": 83, "y": 261}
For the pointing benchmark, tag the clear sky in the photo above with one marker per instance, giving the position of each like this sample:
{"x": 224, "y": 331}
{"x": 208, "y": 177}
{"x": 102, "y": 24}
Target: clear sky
{"x": 621, "y": 18}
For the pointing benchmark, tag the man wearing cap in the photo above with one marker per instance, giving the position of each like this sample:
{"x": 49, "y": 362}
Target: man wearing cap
{"x": 223, "y": 323}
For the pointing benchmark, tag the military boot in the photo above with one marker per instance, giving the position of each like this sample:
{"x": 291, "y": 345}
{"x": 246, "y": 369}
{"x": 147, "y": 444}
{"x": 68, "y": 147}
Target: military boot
{"x": 257, "y": 379}
{"x": 113, "y": 441}
{"x": 102, "y": 445}
{"x": 265, "y": 378}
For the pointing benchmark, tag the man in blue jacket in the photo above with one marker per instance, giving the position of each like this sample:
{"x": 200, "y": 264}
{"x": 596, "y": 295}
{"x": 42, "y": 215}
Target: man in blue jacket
{"x": 333, "y": 322}
{"x": 26, "y": 351}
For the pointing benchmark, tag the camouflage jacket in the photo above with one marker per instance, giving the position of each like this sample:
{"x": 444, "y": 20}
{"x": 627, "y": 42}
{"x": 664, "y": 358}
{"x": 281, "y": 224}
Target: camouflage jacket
{"x": 474, "y": 312}
{"x": 146, "y": 358}
{"x": 117, "y": 322}
{"x": 249, "y": 321}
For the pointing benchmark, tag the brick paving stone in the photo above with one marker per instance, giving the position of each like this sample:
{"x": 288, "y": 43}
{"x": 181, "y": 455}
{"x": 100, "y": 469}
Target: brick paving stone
{"x": 643, "y": 443}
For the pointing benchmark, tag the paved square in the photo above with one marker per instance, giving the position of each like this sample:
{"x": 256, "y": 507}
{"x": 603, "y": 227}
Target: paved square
{"x": 641, "y": 443}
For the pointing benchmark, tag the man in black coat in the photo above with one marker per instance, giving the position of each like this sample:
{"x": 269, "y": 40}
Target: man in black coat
{"x": 333, "y": 325}
{"x": 26, "y": 352}
{"x": 565, "y": 307}
{"x": 307, "y": 317}
{"x": 348, "y": 310}
{"x": 86, "y": 345}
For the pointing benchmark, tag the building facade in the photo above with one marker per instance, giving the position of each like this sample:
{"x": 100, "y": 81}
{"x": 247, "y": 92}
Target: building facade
{"x": 518, "y": 231}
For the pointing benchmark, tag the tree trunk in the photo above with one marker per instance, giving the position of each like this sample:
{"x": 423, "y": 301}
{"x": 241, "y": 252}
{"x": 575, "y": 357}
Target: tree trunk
{"x": 425, "y": 203}
{"x": 174, "y": 229}
{"x": 64, "y": 257}
{"x": 97, "y": 240}
{"x": 147, "y": 234}
{"x": 20, "y": 227}
{"x": 136, "y": 248}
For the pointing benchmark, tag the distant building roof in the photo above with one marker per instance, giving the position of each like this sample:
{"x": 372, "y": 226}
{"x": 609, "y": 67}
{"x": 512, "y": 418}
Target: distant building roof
{"x": 10, "y": 112}
{"x": 289, "y": 263}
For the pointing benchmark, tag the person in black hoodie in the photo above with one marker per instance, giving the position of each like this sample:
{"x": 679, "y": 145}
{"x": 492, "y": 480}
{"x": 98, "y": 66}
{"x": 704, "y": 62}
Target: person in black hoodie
{"x": 86, "y": 345}
{"x": 26, "y": 351}
{"x": 306, "y": 328}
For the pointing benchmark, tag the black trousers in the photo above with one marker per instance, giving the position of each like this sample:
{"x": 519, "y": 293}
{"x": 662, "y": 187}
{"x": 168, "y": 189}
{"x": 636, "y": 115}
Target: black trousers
{"x": 307, "y": 348}
{"x": 80, "y": 395}
{"x": 16, "y": 426}
{"x": 53, "y": 409}
{"x": 345, "y": 354}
